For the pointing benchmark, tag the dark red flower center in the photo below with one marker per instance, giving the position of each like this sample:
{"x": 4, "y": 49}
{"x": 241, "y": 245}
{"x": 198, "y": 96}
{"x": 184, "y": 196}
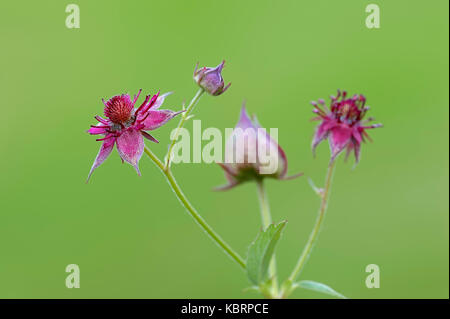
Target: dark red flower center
{"x": 348, "y": 111}
{"x": 119, "y": 109}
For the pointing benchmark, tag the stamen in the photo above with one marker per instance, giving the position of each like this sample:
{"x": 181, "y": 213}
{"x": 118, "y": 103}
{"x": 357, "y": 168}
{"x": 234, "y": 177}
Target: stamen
{"x": 151, "y": 103}
{"x": 318, "y": 109}
{"x": 142, "y": 105}
{"x": 101, "y": 120}
{"x": 105, "y": 138}
{"x": 136, "y": 97}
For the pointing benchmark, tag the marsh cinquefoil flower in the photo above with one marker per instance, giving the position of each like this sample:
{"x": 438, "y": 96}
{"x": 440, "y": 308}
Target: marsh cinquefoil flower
{"x": 342, "y": 124}
{"x": 252, "y": 154}
{"x": 210, "y": 79}
{"x": 125, "y": 126}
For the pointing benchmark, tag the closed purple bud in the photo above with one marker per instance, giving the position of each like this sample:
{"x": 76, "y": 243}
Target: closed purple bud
{"x": 210, "y": 79}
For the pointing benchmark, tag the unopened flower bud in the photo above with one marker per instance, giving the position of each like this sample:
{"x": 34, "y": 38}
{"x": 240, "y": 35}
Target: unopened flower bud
{"x": 252, "y": 154}
{"x": 210, "y": 79}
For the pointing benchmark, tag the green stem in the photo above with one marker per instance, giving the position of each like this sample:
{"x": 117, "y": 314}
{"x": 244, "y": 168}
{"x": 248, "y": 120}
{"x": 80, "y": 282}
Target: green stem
{"x": 191, "y": 210}
{"x": 266, "y": 221}
{"x": 183, "y": 119}
{"x": 315, "y": 232}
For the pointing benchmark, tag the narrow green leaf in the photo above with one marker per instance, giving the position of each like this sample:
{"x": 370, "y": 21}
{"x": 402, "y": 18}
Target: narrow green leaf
{"x": 252, "y": 288}
{"x": 319, "y": 287}
{"x": 260, "y": 252}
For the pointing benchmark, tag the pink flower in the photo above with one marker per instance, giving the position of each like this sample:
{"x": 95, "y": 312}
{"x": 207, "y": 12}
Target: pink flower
{"x": 342, "y": 123}
{"x": 125, "y": 126}
{"x": 210, "y": 79}
{"x": 252, "y": 154}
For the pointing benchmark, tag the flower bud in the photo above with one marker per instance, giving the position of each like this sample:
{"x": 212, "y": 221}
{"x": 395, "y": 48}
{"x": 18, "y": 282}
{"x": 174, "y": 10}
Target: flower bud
{"x": 210, "y": 79}
{"x": 252, "y": 154}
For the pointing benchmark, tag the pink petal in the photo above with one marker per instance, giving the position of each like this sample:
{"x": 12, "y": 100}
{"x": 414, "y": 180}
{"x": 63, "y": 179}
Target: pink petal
{"x": 349, "y": 150}
{"x": 354, "y": 146}
{"x": 225, "y": 187}
{"x": 160, "y": 100}
{"x": 357, "y": 149}
{"x": 157, "y": 118}
{"x": 284, "y": 162}
{"x": 100, "y": 128}
{"x": 340, "y": 137}
{"x": 149, "y": 137}
{"x": 104, "y": 152}
{"x": 322, "y": 131}
{"x": 272, "y": 146}
{"x": 288, "y": 178}
{"x": 130, "y": 145}
{"x": 229, "y": 169}
{"x": 357, "y": 134}
{"x": 229, "y": 175}
{"x": 241, "y": 146}
{"x": 244, "y": 120}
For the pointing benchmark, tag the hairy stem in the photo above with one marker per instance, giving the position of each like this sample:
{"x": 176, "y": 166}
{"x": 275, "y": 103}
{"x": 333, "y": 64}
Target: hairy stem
{"x": 191, "y": 210}
{"x": 266, "y": 221}
{"x": 315, "y": 232}
{"x": 183, "y": 119}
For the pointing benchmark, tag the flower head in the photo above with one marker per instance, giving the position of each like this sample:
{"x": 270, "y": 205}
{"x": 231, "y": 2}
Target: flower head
{"x": 125, "y": 126}
{"x": 210, "y": 79}
{"x": 342, "y": 123}
{"x": 252, "y": 154}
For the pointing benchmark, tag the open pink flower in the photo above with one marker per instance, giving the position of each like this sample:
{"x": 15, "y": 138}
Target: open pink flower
{"x": 342, "y": 123}
{"x": 252, "y": 154}
{"x": 125, "y": 126}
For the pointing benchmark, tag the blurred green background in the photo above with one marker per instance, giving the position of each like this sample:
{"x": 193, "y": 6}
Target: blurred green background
{"x": 129, "y": 234}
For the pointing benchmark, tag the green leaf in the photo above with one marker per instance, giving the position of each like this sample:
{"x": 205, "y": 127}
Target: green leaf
{"x": 252, "y": 288}
{"x": 260, "y": 252}
{"x": 319, "y": 287}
